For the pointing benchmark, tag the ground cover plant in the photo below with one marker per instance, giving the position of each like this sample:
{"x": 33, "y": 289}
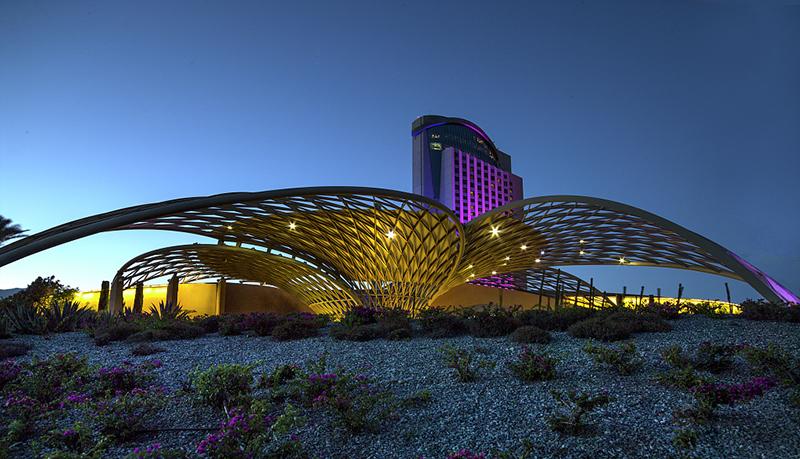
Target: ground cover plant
{"x": 529, "y": 334}
{"x": 618, "y": 325}
{"x": 464, "y": 363}
{"x": 624, "y": 359}
{"x": 575, "y": 406}
{"x": 365, "y": 324}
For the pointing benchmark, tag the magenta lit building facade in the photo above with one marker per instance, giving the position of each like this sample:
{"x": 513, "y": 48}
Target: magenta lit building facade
{"x": 457, "y": 164}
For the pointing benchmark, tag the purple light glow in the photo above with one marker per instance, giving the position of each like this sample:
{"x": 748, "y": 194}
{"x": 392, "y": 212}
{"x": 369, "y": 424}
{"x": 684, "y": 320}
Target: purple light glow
{"x": 784, "y": 293}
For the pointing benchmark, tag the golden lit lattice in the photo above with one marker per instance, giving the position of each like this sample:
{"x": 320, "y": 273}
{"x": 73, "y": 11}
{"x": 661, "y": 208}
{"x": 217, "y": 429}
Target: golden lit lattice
{"x": 549, "y": 282}
{"x": 317, "y": 290}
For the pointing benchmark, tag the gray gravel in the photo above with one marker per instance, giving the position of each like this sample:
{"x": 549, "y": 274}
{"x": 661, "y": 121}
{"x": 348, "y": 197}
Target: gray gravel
{"x": 497, "y": 411}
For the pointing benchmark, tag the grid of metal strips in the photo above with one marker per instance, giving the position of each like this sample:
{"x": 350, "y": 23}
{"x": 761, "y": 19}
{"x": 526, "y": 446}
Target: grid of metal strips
{"x": 391, "y": 250}
{"x": 321, "y": 292}
{"x": 396, "y": 249}
{"x": 561, "y": 286}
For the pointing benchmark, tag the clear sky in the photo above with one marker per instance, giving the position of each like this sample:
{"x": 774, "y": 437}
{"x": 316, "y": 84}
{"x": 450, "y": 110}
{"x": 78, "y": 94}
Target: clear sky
{"x": 690, "y": 110}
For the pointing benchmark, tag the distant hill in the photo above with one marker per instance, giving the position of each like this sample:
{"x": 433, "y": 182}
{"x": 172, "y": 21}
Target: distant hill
{"x": 8, "y": 292}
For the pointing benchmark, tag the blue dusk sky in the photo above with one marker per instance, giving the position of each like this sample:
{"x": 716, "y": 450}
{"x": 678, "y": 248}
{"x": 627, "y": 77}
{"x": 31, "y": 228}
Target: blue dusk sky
{"x": 688, "y": 109}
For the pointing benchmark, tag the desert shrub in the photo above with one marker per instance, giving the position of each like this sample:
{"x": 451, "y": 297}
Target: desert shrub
{"x": 125, "y": 377}
{"x": 5, "y": 326}
{"x": 261, "y": 323}
{"x": 208, "y": 323}
{"x": 117, "y": 331}
{"x": 48, "y": 379}
{"x": 24, "y": 318}
{"x": 707, "y": 309}
{"x": 463, "y": 362}
{"x": 9, "y": 370}
{"x": 715, "y": 358}
{"x": 624, "y": 359}
{"x": 765, "y": 310}
{"x": 601, "y": 329}
{"x": 399, "y": 334}
{"x": 711, "y": 395}
{"x": 682, "y": 378}
{"x": 439, "y": 323}
{"x": 666, "y": 310}
{"x": 490, "y": 320}
{"x": 575, "y": 406}
{"x": 223, "y": 386}
{"x": 355, "y": 401}
{"x": 253, "y": 434}
{"x": 146, "y": 349}
{"x": 8, "y": 350}
{"x": 685, "y": 439}
{"x": 466, "y": 454}
{"x": 168, "y": 330}
{"x": 168, "y": 311}
{"x": 125, "y": 415}
{"x": 558, "y": 320}
{"x": 641, "y": 322}
{"x": 360, "y": 315}
{"x": 75, "y": 441}
{"x": 773, "y": 360}
{"x": 529, "y": 334}
{"x": 533, "y": 366}
{"x": 357, "y": 332}
{"x": 230, "y": 325}
{"x": 66, "y": 316}
{"x": 294, "y": 329}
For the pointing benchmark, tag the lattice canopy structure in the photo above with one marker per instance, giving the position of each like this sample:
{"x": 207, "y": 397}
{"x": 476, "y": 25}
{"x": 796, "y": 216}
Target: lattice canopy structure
{"x": 335, "y": 247}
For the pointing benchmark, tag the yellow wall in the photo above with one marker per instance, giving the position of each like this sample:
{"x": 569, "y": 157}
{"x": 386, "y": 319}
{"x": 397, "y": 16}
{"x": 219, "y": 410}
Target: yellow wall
{"x": 201, "y": 299}
{"x": 467, "y": 295}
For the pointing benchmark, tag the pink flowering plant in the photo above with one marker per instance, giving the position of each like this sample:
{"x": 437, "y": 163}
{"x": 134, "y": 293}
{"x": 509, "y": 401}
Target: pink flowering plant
{"x": 156, "y": 451}
{"x": 253, "y": 433}
{"x": 9, "y": 370}
{"x": 709, "y": 396}
{"x": 533, "y": 366}
{"x": 466, "y": 454}
{"x": 125, "y": 377}
{"x": 223, "y": 386}
{"x": 125, "y": 415}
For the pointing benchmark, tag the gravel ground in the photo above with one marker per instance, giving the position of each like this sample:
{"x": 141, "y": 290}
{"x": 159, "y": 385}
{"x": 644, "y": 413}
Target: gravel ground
{"x": 497, "y": 411}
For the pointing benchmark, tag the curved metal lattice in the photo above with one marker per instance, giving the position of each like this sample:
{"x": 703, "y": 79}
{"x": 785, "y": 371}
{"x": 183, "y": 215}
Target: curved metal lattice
{"x": 578, "y": 230}
{"x": 549, "y": 282}
{"x": 395, "y": 249}
{"x": 320, "y": 292}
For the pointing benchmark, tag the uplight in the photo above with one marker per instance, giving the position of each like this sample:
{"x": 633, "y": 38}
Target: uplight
{"x": 538, "y": 260}
{"x": 495, "y": 231}
{"x": 621, "y": 260}
{"x": 390, "y": 234}
{"x": 494, "y": 272}
{"x": 523, "y": 247}
{"x": 292, "y": 226}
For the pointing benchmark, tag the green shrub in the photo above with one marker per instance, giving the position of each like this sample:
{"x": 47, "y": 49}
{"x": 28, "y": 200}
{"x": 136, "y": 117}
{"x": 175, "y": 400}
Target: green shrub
{"x": 765, "y": 310}
{"x": 24, "y": 318}
{"x": 65, "y": 317}
{"x": 168, "y": 330}
{"x": 48, "y": 379}
{"x": 641, "y": 322}
{"x": 208, "y": 323}
{"x": 685, "y": 439}
{"x": 684, "y": 378}
{"x": 715, "y": 358}
{"x": 168, "y": 311}
{"x": 115, "y": 332}
{"x": 530, "y": 334}
{"x": 488, "y": 321}
{"x": 708, "y": 309}
{"x": 399, "y": 334}
{"x": 559, "y": 320}
{"x": 624, "y": 359}
{"x": 357, "y": 332}
{"x": 773, "y": 360}
{"x": 294, "y": 329}
{"x": 439, "y": 323}
{"x": 8, "y": 350}
{"x": 667, "y": 310}
{"x": 601, "y": 329}
{"x": 124, "y": 416}
{"x": 575, "y": 407}
{"x": 223, "y": 386}
{"x": 5, "y": 326}
{"x": 533, "y": 366}
{"x": 462, "y": 361}
{"x": 389, "y": 324}
{"x": 360, "y": 315}
{"x": 230, "y": 325}
{"x": 146, "y": 349}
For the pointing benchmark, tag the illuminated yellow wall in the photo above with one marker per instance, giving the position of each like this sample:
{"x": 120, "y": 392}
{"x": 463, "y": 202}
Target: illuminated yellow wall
{"x": 201, "y": 299}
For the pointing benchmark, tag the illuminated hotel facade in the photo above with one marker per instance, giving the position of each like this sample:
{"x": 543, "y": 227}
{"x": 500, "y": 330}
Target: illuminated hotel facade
{"x": 456, "y": 163}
